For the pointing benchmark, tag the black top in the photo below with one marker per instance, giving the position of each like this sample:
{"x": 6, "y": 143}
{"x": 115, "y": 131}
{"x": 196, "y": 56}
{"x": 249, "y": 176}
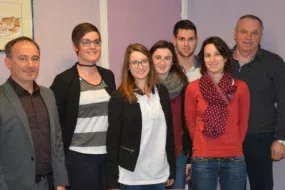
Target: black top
{"x": 125, "y": 127}
{"x": 265, "y": 77}
{"x": 66, "y": 88}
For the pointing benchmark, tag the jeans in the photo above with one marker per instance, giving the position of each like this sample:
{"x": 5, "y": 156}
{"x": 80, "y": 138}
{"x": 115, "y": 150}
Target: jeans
{"x": 160, "y": 186}
{"x": 179, "y": 182}
{"x": 230, "y": 172}
{"x": 257, "y": 152}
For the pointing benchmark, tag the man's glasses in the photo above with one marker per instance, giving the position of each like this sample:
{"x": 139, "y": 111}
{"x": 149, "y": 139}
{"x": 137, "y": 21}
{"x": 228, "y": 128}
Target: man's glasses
{"x": 136, "y": 63}
{"x": 87, "y": 43}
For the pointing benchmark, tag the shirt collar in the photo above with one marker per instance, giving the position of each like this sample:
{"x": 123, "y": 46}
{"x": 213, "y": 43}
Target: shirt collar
{"x": 256, "y": 56}
{"x": 196, "y": 65}
{"x": 19, "y": 89}
{"x": 196, "y": 62}
{"x": 139, "y": 92}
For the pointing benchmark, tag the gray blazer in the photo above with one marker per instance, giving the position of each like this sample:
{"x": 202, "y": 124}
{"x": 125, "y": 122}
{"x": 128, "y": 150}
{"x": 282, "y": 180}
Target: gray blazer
{"x": 17, "y": 163}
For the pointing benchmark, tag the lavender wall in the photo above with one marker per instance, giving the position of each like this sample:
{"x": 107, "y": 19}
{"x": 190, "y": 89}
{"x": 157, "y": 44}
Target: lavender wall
{"x": 53, "y": 24}
{"x": 138, "y": 21}
{"x": 219, "y": 18}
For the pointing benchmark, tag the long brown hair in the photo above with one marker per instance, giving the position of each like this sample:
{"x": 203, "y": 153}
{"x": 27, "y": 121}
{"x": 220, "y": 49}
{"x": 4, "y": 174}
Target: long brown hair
{"x": 176, "y": 68}
{"x": 128, "y": 82}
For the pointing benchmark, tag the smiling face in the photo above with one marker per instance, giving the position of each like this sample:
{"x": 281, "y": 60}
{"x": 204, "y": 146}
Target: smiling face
{"x": 24, "y": 62}
{"x": 248, "y": 35}
{"x": 162, "y": 59}
{"x": 214, "y": 61}
{"x": 140, "y": 71}
{"x": 88, "y": 55}
{"x": 185, "y": 42}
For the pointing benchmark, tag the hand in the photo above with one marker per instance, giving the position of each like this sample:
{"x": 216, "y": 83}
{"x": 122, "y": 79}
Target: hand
{"x": 60, "y": 188}
{"x": 277, "y": 151}
{"x": 187, "y": 169}
{"x": 169, "y": 182}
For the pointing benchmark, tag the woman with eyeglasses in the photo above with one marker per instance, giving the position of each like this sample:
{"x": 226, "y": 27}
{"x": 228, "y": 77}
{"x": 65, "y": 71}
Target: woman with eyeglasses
{"x": 82, "y": 94}
{"x": 173, "y": 78}
{"x": 217, "y": 112}
{"x": 140, "y": 142}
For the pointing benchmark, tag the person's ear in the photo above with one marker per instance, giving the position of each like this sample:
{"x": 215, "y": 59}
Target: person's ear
{"x": 8, "y": 62}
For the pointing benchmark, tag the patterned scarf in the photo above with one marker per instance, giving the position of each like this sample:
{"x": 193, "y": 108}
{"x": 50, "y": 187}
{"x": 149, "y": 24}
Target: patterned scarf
{"x": 216, "y": 115}
{"x": 173, "y": 84}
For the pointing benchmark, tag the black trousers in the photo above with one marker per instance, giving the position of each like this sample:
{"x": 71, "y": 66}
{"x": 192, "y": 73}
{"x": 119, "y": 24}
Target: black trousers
{"x": 86, "y": 171}
{"x": 257, "y": 152}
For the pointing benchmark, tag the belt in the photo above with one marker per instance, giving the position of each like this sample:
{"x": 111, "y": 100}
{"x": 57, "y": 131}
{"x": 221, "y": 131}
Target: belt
{"x": 39, "y": 178}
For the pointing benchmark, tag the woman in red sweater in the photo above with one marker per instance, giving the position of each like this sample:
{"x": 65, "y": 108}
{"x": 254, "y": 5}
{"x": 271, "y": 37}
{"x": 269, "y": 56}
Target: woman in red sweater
{"x": 217, "y": 111}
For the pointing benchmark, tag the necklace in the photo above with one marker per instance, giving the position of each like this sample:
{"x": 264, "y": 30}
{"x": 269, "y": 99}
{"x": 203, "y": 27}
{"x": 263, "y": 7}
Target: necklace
{"x": 83, "y": 65}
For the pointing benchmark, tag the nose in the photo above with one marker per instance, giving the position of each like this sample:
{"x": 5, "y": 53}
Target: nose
{"x": 140, "y": 66}
{"x": 186, "y": 42}
{"x": 30, "y": 63}
{"x": 248, "y": 36}
{"x": 92, "y": 45}
{"x": 212, "y": 58}
{"x": 162, "y": 62}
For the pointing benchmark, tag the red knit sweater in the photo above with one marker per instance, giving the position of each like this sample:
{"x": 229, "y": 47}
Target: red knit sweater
{"x": 230, "y": 143}
{"x": 176, "y": 109}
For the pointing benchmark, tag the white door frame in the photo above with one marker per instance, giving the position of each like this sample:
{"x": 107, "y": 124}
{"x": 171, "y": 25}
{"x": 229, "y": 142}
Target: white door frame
{"x": 104, "y": 33}
{"x": 184, "y": 9}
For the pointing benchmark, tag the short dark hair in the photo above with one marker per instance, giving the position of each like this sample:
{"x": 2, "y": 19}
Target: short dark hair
{"x": 175, "y": 67}
{"x": 80, "y": 30}
{"x": 185, "y": 25}
{"x": 249, "y": 16}
{"x": 222, "y": 48}
{"x": 9, "y": 46}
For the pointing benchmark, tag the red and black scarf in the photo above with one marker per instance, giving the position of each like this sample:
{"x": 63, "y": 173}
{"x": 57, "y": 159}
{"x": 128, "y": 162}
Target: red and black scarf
{"x": 216, "y": 115}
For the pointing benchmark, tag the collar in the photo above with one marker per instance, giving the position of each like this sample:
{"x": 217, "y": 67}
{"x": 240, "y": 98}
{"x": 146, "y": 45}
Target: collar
{"x": 196, "y": 65}
{"x": 19, "y": 89}
{"x": 139, "y": 92}
{"x": 258, "y": 54}
{"x": 196, "y": 62}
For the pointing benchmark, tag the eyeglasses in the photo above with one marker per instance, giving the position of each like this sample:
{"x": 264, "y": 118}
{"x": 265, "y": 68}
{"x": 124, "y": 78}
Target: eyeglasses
{"x": 25, "y": 59}
{"x": 136, "y": 63}
{"x": 87, "y": 43}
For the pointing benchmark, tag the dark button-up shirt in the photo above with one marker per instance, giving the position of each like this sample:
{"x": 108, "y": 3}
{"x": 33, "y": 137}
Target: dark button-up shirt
{"x": 38, "y": 118}
{"x": 265, "y": 77}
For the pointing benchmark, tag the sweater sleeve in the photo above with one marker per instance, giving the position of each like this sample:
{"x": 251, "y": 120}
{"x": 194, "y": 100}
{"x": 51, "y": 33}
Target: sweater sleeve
{"x": 190, "y": 108}
{"x": 279, "y": 83}
{"x": 243, "y": 110}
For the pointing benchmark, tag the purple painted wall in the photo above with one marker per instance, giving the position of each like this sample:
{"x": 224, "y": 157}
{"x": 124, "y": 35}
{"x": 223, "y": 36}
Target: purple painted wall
{"x": 219, "y": 18}
{"x": 53, "y": 23}
{"x": 138, "y": 21}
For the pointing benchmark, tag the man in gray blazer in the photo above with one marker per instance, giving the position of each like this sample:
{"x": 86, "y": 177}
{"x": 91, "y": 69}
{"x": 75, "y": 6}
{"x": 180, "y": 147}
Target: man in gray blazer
{"x": 31, "y": 149}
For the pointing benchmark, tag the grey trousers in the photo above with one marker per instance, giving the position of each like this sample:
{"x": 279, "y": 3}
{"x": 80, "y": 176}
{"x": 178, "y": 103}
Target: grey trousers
{"x": 43, "y": 184}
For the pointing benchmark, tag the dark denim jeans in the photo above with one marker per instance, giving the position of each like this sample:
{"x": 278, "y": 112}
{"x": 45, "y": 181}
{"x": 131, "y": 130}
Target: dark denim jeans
{"x": 230, "y": 172}
{"x": 160, "y": 186}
